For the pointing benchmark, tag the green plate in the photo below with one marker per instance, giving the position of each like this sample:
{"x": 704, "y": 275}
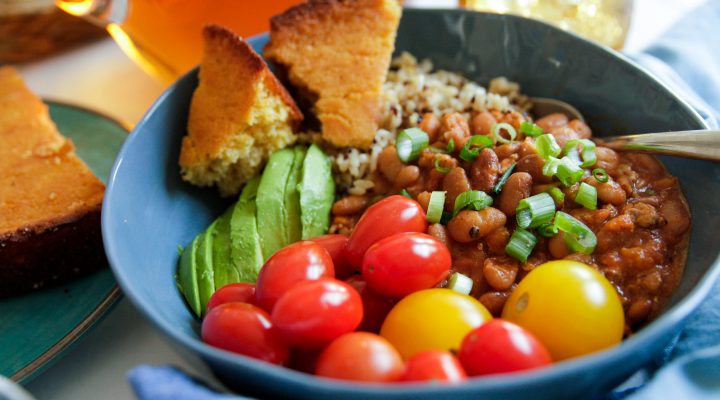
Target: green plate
{"x": 37, "y": 328}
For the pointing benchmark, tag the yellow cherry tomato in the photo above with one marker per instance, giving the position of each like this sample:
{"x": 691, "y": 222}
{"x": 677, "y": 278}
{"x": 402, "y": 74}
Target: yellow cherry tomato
{"x": 570, "y": 307}
{"x": 436, "y": 319}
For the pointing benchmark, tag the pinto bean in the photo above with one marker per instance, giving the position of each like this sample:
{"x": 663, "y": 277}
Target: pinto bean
{"x": 516, "y": 188}
{"x": 608, "y": 192}
{"x": 431, "y": 125}
{"x": 494, "y": 301}
{"x": 581, "y": 128}
{"x": 440, "y": 233}
{"x": 676, "y": 215}
{"x": 551, "y": 121}
{"x": 500, "y": 272}
{"x": 455, "y": 183}
{"x": 506, "y": 150}
{"x": 381, "y": 185}
{"x": 607, "y": 159}
{"x": 484, "y": 170}
{"x": 407, "y": 176}
{"x": 557, "y": 247}
{"x": 424, "y": 199}
{"x": 389, "y": 163}
{"x": 527, "y": 147}
{"x": 454, "y": 126}
{"x": 482, "y": 123}
{"x": 469, "y": 225}
{"x": 533, "y": 165}
{"x": 564, "y": 134}
{"x": 497, "y": 240}
{"x": 350, "y": 205}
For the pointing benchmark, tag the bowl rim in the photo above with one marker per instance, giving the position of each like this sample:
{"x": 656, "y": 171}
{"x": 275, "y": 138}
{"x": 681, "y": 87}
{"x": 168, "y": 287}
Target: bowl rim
{"x": 669, "y": 318}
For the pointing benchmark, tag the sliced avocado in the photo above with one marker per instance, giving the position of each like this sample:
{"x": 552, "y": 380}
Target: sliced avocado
{"x": 187, "y": 276}
{"x": 292, "y": 196}
{"x": 225, "y": 271}
{"x": 317, "y": 193}
{"x": 272, "y": 218}
{"x": 205, "y": 272}
{"x": 245, "y": 250}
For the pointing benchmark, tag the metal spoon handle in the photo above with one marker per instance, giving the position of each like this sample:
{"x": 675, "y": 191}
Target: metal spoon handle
{"x": 701, "y": 144}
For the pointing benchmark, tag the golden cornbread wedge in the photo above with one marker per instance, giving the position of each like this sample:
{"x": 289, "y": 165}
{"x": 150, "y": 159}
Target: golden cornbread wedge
{"x": 239, "y": 114}
{"x": 337, "y": 53}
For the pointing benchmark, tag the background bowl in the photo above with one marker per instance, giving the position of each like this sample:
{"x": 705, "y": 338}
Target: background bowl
{"x": 149, "y": 211}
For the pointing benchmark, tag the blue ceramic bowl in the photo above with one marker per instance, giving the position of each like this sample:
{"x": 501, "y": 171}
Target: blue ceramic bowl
{"x": 149, "y": 211}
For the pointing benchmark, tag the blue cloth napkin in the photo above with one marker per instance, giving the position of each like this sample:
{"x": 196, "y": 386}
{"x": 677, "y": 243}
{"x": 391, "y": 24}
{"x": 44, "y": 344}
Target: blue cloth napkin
{"x": 687, "y": 59}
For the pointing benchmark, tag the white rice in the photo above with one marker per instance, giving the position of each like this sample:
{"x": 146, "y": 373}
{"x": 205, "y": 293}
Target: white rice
{"x": 412, "y": 89}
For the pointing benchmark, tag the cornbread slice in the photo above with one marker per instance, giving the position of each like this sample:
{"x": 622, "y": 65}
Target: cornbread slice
{"x": 49, "y": 199}
{"x": 338, "y": 52}
{"x": 240, "y": 113}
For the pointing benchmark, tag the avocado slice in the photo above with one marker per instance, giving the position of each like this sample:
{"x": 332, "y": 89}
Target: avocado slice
{"x": 292, "y": 196}
{"x": 187, "y": 276}
{"x": 317, "y": 193}
{"x": 272, "y": 216}
{"x": 205, "y": 271}
{"x": 224, "y": 270}
{"x": 245, "y": 248}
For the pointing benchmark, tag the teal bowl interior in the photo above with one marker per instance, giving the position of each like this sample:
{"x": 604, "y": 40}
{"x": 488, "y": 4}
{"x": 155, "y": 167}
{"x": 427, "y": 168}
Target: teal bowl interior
{"x": 149, "y": 211}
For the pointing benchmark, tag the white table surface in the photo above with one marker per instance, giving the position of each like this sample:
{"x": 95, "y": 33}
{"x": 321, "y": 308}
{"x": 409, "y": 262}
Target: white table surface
{"x": 99, "y": 76}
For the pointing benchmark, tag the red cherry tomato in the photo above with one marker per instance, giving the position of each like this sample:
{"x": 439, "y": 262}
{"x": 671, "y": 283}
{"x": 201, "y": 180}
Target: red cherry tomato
{"x": 375, "y": 306}
{"x": 391, "y": 215}
{"x": 233, "y": 293}
{"x": 434, "y": 365}
{"x": 500, "y": 346}
{"x": 405, "y": 263}
{"x": 244, "y": 329}
{"x": 292, "y": 264}
{"x": 335, "y": 246}
{"x": 360, "y": 356}
{"x": 313, "y": 313}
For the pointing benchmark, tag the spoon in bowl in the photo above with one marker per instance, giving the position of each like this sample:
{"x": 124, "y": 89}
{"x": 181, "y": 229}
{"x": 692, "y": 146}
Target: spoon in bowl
{"x": 697, "y": 144}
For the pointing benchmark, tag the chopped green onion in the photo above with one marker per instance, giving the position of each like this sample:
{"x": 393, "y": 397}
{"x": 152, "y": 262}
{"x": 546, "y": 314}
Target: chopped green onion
{"x": 547, "y": 230}
{"x": 446, "y": 217}
{"x": 405, "y": 193}
{"x": 530, "y": 129}
{"x": 510, "y": 130}
{"x": 547, "y": 146}
{"x": 600, "y": 175}
{"x": 535, "y": 210}
{"x": 578, "y": 237}
{"x": 472, "y": 199}
{"x": 557, "y": 195}
{"x": 450, "y": 146}
{"x": 435, "y": 207}
{"x": 551, "y": 165}
{"x": 588, "y": 151}
{"x": 473, "y": 146}
{"x": 587, "y": 196}
{"x": 521, "y": 244}
{"x": 410, "y": 143}
{"x": 568, "y": 172}
{"x": 498, "y": 187}
{"x": 460, "y": 283}
{"x": 439, "y": 168}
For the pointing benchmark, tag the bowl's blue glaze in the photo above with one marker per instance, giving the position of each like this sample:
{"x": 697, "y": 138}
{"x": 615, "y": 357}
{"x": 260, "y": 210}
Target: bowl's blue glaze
{"x": 149, "y": 211}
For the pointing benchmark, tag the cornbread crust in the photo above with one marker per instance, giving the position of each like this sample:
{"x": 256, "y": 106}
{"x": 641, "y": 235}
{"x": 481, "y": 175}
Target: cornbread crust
{"x": 239, "y": 114}
{"x": 49, "y": 199}
{"x": 338, "y": 51}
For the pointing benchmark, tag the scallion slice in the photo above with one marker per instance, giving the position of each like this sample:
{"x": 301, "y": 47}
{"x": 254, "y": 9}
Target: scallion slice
{"x": 435, "y": 207}
{"x": 600, "y": 175}
{"x": 588, "y": 151}
{"x": 578, "y": 237}
{"x": 535, "y": 210}
{"x": 530, "y": 129}
{"x": 497, "y": 128}
{"x": 410, "y": 143}
{"x": 568, "y": 171}
{"x": 547, "y": 146}
{"x": 439, "y": 168}
{"x": 557, "y": 195}
{"x": 472, "y": 199}
{"x": 474, "y": 145}
{"x": 498, "y": 187}
{"x": 551, "y": 165}
{"x": 450, "y": 146}
{"x": 587, "y": 196}
{"x": 521, "y": 244}
{"x": 460, "y": 283}
{"x": 547, "y": 230}
{"x": 405, "y": 193}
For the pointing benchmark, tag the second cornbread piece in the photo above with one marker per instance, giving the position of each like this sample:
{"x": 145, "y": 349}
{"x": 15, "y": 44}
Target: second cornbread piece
{"x": 338, "y": 52}
{"x": 240, "y": 113}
